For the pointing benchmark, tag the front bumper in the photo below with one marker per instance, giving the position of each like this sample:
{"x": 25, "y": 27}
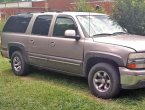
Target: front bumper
{"x": 132, "y": 79}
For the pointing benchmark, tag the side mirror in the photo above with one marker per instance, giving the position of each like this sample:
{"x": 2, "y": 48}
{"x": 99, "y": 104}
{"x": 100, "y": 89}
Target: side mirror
{"x": 71, "y": 34}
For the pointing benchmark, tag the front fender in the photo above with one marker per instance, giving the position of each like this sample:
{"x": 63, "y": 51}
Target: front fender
{"x": 103, "y": 55}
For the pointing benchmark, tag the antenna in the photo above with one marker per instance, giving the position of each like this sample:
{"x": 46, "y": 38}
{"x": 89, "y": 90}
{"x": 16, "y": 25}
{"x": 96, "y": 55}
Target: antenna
{"x": 89, "y": 24}
{"x": 89, "y": 20}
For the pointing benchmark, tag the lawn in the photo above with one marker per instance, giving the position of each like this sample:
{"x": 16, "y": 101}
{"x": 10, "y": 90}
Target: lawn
{"x": 45, "y": 90}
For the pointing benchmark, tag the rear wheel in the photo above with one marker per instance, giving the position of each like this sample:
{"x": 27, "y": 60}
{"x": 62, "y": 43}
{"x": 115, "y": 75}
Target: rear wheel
{"x": 19, "y": 66}
{"x": 104, "y": 81}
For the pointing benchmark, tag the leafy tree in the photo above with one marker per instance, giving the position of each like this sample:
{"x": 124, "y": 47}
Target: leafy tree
{"x": 83, "y": 6}
{"x": 130, "y": 14}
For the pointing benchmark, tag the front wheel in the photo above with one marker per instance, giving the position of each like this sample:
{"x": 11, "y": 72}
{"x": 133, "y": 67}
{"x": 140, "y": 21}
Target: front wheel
{"x": 104, "y": 81}
{"x": 19, "y": 66}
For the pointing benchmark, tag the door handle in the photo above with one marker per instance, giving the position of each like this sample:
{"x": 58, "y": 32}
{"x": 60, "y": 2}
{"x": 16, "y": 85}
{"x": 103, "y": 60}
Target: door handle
{"x": 52, "y": 44}
{"x": 31, "y": 41}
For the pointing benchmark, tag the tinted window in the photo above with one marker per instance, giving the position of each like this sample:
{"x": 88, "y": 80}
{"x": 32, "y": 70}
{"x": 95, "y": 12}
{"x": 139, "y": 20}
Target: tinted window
{"x": 62, "y": 24}
{"x": 42, "y": 24}
{"x": 18, "y": 23}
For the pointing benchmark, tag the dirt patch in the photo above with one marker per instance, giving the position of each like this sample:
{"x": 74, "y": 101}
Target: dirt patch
{"x": 27, "y": 78}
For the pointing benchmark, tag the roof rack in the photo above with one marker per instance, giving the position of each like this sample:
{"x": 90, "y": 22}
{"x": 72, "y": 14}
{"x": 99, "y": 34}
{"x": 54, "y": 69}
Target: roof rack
{"x": 23, "y": 13}
{"x": 54, "y": 10}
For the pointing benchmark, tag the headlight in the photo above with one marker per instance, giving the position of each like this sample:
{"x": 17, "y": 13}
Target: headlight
{"x": 136, "y": 61}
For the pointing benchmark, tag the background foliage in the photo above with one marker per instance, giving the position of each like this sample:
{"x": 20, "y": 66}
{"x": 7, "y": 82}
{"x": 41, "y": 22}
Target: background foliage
{"x": 13, "y": 0}
{"x": 130, "y": 14}
{"x": 82, "y": 6}
{"x": 2, "y": 22}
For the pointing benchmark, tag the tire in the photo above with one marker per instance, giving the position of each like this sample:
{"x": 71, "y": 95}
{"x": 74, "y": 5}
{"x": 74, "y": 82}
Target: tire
{"x": 18, "y": 64}
{"x": 104, "y": 81}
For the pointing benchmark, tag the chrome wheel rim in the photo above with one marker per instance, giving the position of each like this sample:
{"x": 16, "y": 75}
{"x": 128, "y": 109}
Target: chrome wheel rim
{"x": 17, "y": 64}
{"x": 102, "y": 81}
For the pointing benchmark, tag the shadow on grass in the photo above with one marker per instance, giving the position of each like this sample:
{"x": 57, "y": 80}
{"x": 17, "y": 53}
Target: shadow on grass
{"x": 60, "y": 79}
{"x": 131, "y": 97}
{"x": 126, "y": 97}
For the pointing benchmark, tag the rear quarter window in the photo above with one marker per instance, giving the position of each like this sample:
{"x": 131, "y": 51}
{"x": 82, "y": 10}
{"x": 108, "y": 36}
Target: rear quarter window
{"x": 18, "y": 23}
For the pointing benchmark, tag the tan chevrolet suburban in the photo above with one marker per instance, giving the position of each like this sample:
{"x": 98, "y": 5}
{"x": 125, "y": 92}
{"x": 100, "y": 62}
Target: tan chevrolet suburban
{"x": 89, "y": 45}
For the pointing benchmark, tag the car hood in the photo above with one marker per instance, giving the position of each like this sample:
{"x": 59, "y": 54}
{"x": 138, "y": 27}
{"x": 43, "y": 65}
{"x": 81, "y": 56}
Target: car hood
{"x": 135, "y": 42}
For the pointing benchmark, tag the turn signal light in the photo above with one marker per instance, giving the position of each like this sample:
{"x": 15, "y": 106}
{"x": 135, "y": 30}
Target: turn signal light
{"x": 131, "y": 66}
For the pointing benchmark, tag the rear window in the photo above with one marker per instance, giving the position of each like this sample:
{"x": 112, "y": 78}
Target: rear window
{"x": 18, "y": 23}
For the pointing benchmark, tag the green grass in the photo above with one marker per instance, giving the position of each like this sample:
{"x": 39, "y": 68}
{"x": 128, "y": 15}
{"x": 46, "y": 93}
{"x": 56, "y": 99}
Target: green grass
{"x": 45, "y": 90}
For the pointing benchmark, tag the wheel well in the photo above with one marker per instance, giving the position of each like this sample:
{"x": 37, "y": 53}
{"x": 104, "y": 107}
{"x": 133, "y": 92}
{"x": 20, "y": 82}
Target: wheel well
{"x": 92, "y": 61}
{"x": 13, "y": 49}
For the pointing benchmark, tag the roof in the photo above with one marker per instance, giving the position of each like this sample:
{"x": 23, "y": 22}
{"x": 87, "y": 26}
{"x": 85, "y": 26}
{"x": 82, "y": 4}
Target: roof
{"x": 70, "y": 13}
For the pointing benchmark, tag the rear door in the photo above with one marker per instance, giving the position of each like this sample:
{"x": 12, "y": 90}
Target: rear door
{"x": 38, "y": 41}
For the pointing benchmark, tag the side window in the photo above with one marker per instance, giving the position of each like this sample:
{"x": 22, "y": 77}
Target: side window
{"x": 18, "y": 23}
{"x": 41, "y": 25}
{"x": 62, "y": 24}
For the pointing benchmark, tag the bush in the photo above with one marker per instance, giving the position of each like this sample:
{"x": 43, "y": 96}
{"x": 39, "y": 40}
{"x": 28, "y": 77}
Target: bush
{"x": 2, "y": 22}
{"x": 83, "y": 6}
{"x": 130, "y": 14}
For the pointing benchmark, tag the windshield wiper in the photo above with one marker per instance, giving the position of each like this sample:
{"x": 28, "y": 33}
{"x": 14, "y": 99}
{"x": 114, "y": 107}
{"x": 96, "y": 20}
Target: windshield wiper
{"x": 102, "y": 34}
{"x": 119, "y": 33}
{"x": 108, "y": 34}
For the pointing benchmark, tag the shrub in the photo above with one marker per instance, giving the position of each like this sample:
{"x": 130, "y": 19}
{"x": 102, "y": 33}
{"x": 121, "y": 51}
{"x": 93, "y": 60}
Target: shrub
{"x": 83, "y": 6}
{"x": 130, "y": 14}
{"x": 2, "y": 22}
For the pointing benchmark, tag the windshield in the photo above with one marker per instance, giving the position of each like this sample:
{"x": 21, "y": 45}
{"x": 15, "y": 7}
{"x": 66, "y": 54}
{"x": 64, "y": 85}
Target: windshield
{"x": 95, "y": 25}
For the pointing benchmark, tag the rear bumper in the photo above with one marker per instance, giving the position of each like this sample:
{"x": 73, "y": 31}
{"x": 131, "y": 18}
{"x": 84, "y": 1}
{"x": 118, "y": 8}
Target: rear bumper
{"x": 132, "y": 79}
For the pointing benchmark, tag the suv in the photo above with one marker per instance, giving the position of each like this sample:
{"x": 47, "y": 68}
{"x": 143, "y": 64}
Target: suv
{"x": 78, "y": 43}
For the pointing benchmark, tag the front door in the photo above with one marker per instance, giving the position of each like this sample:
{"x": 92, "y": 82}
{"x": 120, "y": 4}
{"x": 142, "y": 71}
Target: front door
{"x": 65, "y": 54}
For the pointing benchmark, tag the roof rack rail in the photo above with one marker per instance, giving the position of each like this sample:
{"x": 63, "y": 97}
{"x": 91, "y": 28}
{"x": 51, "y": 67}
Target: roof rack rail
{"x": 23, "y": 13}
{"x": 54, "y": 10}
